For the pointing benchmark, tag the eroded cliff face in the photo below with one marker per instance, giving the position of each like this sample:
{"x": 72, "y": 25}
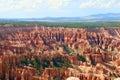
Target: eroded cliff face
{"x": 40, "y": 53}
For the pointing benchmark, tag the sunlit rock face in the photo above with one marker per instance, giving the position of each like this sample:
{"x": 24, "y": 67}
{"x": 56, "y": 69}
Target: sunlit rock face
{"x": 72, "y": 78}
{"x": 31, "y": 52}
{"x": 117, "y": 79}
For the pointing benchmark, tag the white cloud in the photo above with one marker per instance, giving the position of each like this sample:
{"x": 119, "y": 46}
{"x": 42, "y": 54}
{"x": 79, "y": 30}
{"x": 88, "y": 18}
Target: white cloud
{"x": 108, "y": 4}
{"x": 6, "y": 5}
{"x": 98, "y": 3}
{"x": 118, "y": 5}
{"x": 57, "y": 4}
{"x": 26, "y": 5}
{"x": 89, "y": 3}
{"x": 29, "y": 5}
{"x": 32, "y": 5}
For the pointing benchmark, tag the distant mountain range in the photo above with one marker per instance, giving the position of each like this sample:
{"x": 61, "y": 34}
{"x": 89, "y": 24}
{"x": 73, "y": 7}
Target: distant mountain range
{"x": 91, "y": 18}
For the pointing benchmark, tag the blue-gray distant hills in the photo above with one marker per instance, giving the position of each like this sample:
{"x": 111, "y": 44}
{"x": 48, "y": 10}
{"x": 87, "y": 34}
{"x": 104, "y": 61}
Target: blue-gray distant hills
{"x": 91, "y": 18}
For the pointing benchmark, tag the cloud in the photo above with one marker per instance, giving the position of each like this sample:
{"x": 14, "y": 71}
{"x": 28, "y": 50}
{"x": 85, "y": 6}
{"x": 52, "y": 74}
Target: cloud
{"x": 89, "y": 3}
{"x": 5, "y": 5}
{"x": 118, "y": 5}
{"x": 57, "y": 4}
{"x": 25, "y": 5}
{"x": 98, "y": 3}
{"x": 29, "y": 5}
{"x": 109, "y": 4}
{"x": 33, "y": 5}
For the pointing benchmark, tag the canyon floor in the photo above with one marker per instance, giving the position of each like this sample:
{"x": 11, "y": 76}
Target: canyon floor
{"x": 43, "y": 53}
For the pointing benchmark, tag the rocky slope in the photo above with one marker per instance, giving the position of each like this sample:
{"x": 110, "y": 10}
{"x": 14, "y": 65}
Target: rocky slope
{"x": 40, "y": 53}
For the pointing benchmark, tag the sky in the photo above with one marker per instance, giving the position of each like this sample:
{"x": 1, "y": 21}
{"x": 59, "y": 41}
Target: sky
{"x": 56, "y": 8}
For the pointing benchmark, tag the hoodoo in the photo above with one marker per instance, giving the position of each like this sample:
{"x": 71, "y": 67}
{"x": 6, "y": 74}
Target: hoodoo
{"x": 43, "y": 53}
